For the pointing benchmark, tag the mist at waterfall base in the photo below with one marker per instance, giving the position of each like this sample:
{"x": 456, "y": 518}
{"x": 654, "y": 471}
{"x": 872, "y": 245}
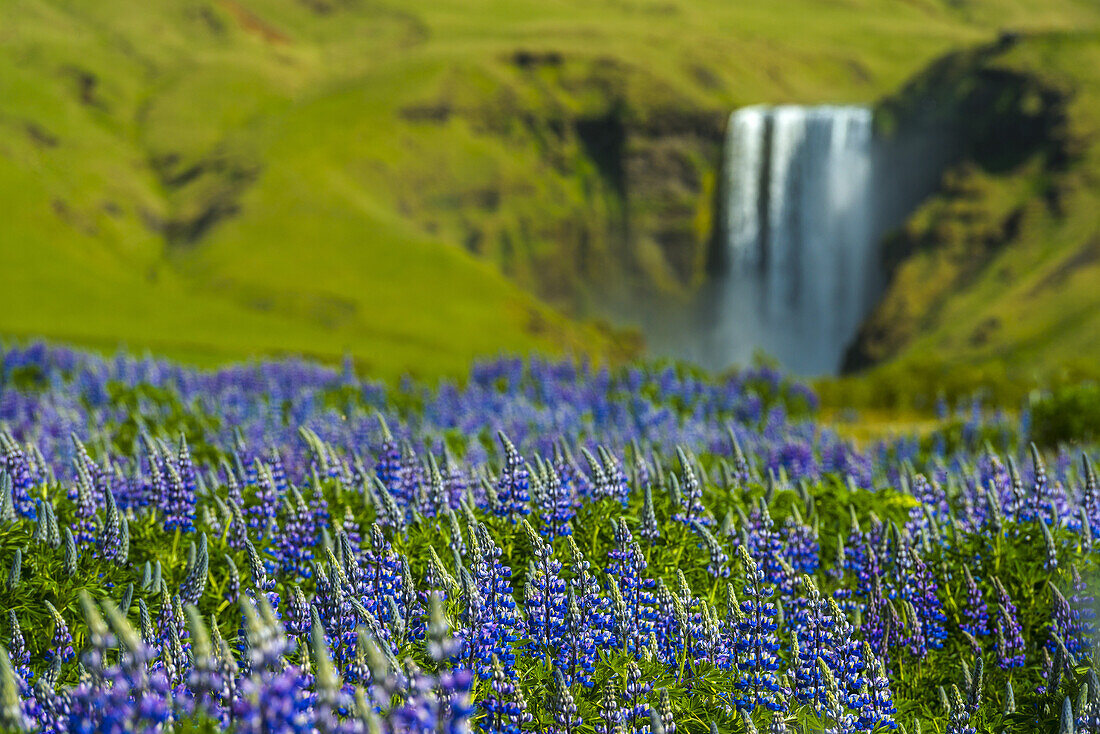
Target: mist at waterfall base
{"x": 807, "y": 194}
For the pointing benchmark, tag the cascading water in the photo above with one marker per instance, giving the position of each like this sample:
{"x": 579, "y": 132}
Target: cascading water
{"x": 803, "y": 267}
{"x": 808, "y": 194}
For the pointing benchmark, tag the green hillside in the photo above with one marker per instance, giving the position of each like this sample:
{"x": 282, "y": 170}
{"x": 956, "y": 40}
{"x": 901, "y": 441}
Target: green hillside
{"x": 214, "y": 178}
{"x": 1003, "y": 266}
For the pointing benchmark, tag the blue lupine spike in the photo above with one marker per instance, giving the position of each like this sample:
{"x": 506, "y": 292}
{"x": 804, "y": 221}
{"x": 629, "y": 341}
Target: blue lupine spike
{"x": 70, "y": 557}
{"x": 61, "y": 645}
{"x": 7, "y": 502}
{"x": 195, "y": 582}
{"x": 15, "y": 571}
{"x": 513, "y": 483}
{"x": 758, "y": 663}
{"x": 13, "y": 714}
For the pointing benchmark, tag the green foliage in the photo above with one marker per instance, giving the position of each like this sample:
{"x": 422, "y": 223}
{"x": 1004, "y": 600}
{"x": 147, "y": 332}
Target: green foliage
{"x": 147, "y": 408}
{"x": 1070, "y": 414}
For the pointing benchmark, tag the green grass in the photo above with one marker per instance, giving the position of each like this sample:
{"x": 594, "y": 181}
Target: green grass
{"x": 353, "y": 217}
{"x": 1035, "y": 305}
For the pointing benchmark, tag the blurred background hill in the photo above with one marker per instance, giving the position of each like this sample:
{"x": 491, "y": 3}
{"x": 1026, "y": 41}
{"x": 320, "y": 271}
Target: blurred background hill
{"x": 419, "y": 183}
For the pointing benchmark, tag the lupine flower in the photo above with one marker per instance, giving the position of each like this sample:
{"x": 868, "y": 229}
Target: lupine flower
{"x": 555, "y": 506}
{"x": 1066, "y": 622}
{"x": 975, "y": 614}
{"x": 691, "y": 494}
{"x": 513, "y": 485}
{"x": 545, "y": 598}
{"x": 758, "y": 663}
{"x": 881, "y": 709}
{"x": 179, "y": 504}
{"x": 920, "y": 589}
{"x": 494, "y": 620}
{"x": 297, "y": 535}
{"x": 664, "y": 711}
{"x": 719, "y": 561}
{"x": 635, "y": 711}
{"x": 194, "y": 583}
{"x": 19, "y": 656}
{"x": 611, "y": 715}
{"x": 1010, "y": 643}
{"x": 800, "y": 545}
{"x": 627, "y": 568}
{"x": 505, "y": 710}
{"x": 17, "y": 470}
{"x": 814, "y": 642}
{"x": 959, "y": 722}
{"x": 61, "y": 646}
{"x": 562, "y": 707}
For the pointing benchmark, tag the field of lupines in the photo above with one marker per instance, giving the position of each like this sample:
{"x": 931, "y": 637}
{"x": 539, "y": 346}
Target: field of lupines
{"x": 548, "y": 546}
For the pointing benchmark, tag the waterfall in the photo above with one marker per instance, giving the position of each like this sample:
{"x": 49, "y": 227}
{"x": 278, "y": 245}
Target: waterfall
{"x": 803, "y": 267}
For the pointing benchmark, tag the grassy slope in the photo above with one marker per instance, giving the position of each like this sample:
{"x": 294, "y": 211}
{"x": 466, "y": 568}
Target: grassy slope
{"x": 1036, "y": 303}
{"x": 213, "y": 178}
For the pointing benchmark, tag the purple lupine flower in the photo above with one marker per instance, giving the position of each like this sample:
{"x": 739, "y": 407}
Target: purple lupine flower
{"x": 455, "y": 481}
{"x": 801, "y": 547}
{"x": 1042, "y": 501}
{"x": 1065, "y": 622}
{"x": 82, "y": 493}
{"x": 61, "y": 645}
{"x": 280, "y": 702}
{"x": 618, "y": 486}
{"x": 1082, "y": 602}
{"x": 880, "y": 700}
{"x": 544, "y": 598}
{"x": 849, "y": 665}
{"x": 495, "y": 622}
{"x": 626, "y": 567}
{"x": 919, "y": 589}
{"x": 179, "y": 508}
{"x": 636, "y": 713}
{"x": 585, "y": 623}
{"x": 16, "y": 467}
{"x": 262, "y": 511}
{"x": 388, "y": 468}
{"x": 975, "y": 612}
{"x": 813, "y": 643}
{"x": 718, "y": 566}
{"x": 691, "y": 494}
{"x": 1010, "y": 641}
{"x": 296, "y": 536}
{"x": 278, "y": 471}
{"x": 562, "y": 707}
{"x": 758, "y": 663}
{"x": 555, "y": 505}
{"x": 377, "y": 575}
{"x": 959, "y": 719}
{"x": 611, "y": 713}
{"x": 765, "y": 543}
{"x": 572, "y": 478}
{"x": 880, "y": 623}
{"x": 512, "y": 487}
{"x": 17, "y": 649}
{"x": 505, "y": 709}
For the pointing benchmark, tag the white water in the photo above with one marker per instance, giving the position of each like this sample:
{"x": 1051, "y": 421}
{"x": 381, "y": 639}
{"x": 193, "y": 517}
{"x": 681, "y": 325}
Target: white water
{"x": 803, "y": 262}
